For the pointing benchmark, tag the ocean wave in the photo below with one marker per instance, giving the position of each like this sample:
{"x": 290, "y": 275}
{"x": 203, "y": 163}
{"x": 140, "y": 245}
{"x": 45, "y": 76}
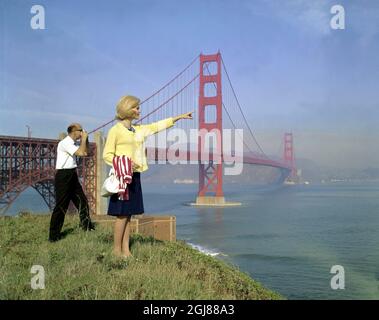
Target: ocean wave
{"x": 206, "y": 251}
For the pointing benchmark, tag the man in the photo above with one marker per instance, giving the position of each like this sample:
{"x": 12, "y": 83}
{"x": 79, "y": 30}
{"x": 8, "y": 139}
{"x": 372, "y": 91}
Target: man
{"x": 67, "y": 186}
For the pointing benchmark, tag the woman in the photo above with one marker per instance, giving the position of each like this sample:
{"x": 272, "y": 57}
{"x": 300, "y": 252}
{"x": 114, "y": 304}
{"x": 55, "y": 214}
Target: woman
{"x": 127, "y": 139}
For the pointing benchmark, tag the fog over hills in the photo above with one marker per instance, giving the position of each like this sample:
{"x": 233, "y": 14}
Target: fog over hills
{"x": 253, "y": 174}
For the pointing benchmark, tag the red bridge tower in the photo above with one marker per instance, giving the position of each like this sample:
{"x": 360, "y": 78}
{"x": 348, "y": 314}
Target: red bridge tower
{"x": 210, "y": 171}
{"x": 289, "y": 156}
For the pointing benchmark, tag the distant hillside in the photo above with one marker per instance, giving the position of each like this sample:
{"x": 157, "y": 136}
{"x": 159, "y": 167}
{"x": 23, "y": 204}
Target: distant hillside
{"x": 169, "y": 173}
{"x": 252, "y": 174}
{"x": 312, "y": 172}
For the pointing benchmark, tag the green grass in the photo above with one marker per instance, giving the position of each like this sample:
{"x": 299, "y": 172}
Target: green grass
{"x": 81, "y": 266}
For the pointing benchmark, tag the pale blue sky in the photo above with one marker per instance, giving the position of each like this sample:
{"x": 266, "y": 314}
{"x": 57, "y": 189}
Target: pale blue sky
{"x": 290, "y": 69}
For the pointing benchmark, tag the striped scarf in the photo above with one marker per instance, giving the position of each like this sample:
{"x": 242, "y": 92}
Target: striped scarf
{"x": 122, "y": 166}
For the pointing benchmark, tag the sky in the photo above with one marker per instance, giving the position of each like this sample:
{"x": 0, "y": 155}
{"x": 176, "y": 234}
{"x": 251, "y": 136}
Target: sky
{"x": 290, "y": 69}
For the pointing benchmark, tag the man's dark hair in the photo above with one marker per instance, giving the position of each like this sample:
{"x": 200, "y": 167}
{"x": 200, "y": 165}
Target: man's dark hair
{"x": 71, "y": 128}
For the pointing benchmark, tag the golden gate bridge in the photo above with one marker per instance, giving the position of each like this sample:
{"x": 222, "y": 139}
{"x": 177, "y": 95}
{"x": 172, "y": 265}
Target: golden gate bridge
{"x": 30, "y": 162}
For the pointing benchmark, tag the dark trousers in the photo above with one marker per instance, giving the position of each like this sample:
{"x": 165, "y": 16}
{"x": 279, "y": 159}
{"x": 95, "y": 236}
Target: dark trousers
{"x": 68, "y": 188}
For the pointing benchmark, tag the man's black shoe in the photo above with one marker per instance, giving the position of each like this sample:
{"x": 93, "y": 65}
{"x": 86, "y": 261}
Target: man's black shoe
{"x": 54, "y": 239}
{"x": 90, "y": 227}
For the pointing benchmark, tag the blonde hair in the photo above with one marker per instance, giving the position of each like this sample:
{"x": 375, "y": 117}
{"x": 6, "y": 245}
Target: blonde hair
{"x": 124, "y": 105}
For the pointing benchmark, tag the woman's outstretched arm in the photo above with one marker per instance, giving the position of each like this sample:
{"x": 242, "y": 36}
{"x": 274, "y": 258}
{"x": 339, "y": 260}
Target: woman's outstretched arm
{"x": 187, "y": 115}
{"x": 155, "y": 127}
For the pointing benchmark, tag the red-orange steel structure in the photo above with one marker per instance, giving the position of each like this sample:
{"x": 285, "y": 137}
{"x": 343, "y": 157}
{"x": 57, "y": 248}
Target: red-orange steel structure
{"x": 210, "y": 172}
{"x": 289, "y": 156}
{"x": 30, "y": 162}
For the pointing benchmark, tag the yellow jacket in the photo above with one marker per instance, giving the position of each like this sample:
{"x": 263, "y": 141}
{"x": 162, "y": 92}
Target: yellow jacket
{"x": 121, "y": 141}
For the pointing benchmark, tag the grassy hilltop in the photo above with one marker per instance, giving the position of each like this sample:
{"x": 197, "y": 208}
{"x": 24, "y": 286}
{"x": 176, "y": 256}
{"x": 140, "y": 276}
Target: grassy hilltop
{"x": 81, "y": 266}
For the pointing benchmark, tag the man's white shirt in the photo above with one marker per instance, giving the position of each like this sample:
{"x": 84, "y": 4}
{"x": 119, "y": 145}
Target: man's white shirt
{"x": 65, "y": 154}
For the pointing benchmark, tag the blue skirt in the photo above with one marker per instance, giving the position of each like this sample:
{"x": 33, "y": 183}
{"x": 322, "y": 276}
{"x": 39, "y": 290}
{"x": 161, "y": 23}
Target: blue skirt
{"x": 128, "y": 207}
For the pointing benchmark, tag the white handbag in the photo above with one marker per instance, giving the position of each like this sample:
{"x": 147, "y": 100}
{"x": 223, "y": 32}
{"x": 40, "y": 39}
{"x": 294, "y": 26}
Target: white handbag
{"x": 111, "y": 185}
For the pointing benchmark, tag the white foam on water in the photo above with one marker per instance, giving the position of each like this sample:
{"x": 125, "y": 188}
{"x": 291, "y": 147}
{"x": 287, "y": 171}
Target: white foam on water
{"x": 206, "y": 251}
